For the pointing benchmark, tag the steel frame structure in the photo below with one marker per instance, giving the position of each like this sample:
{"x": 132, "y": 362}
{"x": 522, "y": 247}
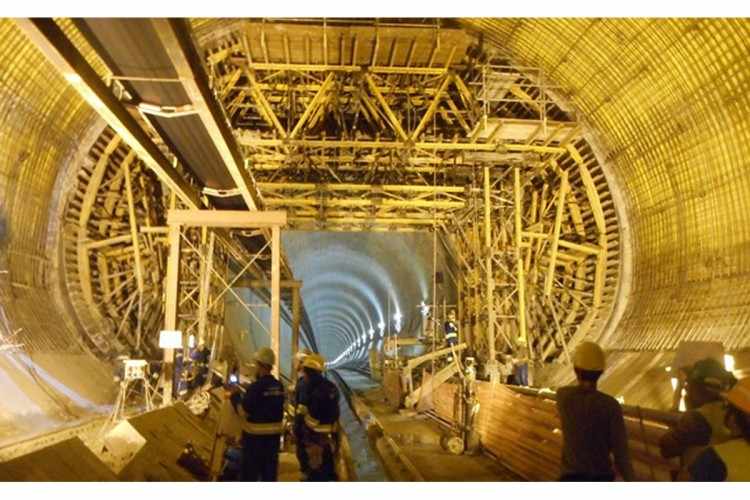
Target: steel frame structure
{"x": 465, "y": 144}
{"x": 178, "y": 222}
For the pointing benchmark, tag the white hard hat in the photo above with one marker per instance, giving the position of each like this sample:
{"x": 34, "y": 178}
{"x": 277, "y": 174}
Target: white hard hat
{"x": 266, "y": 356}
{"x": 589, "y": 356}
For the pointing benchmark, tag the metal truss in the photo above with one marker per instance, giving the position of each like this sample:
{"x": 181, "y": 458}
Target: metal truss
{"x": 469, "y": 146}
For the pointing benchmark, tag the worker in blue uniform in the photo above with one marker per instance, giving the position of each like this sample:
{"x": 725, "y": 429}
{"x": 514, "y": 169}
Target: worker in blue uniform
{"x": 451, "y": 332}
{"x": 300, "y": 401}
{"x": 263, "y": 409}
{"x": 320, "y": 410}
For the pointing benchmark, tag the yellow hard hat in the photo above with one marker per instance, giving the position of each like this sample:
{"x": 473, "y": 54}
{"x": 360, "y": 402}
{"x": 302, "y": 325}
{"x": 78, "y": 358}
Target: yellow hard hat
{"x": 314, "y": 361}
{"x": 589, "y": 356}
{"x": 301, "y": 354}
{"x": 266, "y": 356}
{"x": 739, "y": 395}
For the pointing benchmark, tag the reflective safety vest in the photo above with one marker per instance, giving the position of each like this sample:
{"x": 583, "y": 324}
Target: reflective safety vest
{"x": 320, "y": 410}
{"x": 263, "y": 406}
{"x": 451, "y": 331}
{"x": 736, "y": 457}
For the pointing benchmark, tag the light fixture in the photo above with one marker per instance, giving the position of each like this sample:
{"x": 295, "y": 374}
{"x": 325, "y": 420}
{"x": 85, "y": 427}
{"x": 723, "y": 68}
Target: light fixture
{"x": 729, "y": 362}
{"x": 73, "y": 78}
{"x": 191, "y": 341}
{"x": 668, "y": 369}
{"x": 170, "y": 339}
{"x": 674, "y": 383}
{"x": 424, "y": 309}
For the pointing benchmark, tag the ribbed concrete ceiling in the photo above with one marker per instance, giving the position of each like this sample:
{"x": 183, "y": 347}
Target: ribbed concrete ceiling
{"x": 666, "y": 101}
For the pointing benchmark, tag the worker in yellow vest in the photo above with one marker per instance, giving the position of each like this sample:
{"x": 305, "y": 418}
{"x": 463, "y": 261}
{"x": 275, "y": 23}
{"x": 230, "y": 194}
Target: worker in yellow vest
{"x": 729, "y": 461}
{"x": 703, "y": 424}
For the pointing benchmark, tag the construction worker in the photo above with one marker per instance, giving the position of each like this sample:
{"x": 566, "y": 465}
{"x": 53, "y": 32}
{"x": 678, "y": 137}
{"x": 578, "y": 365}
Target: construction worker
{"x": 263, "y": 406}
{"x": 521, "y": 363}
{"x": 592, "y": 424}
{"x": 300, "y": 401}
{"x": 451, "y": 329}
{"x": 729, "y": 461}
{"x": 451, "y": 332}
{"x": 320, "y": 410}
{"x": 703, "y": 424}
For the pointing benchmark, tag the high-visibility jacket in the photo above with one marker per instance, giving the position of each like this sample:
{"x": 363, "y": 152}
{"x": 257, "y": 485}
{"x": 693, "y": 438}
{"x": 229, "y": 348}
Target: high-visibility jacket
{"x": 736, "y": 457}
{"x": 320, "y": 405}
{"x": 263, "y": 406}
{"x": 451, "y": 332}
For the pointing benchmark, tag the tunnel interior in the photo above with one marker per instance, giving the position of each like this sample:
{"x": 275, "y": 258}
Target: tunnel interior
{"x": 600, "y": 162}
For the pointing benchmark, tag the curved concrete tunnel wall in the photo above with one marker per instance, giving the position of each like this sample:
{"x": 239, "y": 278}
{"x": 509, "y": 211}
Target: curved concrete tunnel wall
{"x": 666, "y": 100}
{"x": 354, "y": 281}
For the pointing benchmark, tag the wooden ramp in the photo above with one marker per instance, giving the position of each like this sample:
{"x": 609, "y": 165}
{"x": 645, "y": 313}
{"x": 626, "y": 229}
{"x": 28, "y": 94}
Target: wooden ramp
{"x": 167, "y": 431}
{"x": 68, "y": 460}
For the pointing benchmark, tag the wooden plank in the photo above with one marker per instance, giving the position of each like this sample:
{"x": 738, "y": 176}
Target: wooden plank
{"x": 520, "y": 278}
{"x": 556, "y": 232}
{"x": 276, "y": 295}
{"x": 227, "y": 218}
{"x": 170, "y": 306}
{"x": 133, "y": 222}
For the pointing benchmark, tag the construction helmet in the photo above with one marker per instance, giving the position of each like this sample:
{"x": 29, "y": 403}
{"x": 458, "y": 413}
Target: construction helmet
{"x": 710, "y": 373}
{"x": 739, "y": 395}
{"x": 301, "y": 355}
{"x": 314, "y": 361}
{"x": 266, "y": 356}
{"x": 589, "y": 356}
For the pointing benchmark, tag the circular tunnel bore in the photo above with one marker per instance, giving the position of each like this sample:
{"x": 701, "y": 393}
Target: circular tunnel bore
{"x": 677, "y": 155}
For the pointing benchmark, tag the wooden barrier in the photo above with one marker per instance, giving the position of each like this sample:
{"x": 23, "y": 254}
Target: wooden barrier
{"x": 521, "y": 427}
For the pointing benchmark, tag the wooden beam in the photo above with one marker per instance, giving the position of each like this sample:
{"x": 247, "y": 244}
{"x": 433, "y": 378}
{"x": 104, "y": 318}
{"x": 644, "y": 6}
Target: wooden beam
{"x": 135, "y": 242}
{"x": 295, "y": 327}
{"x": 263, "y": 105}
{"x": 207, "y": 267}
{"x": 237, "y": 219}
{"x": 172, "y": 289}
{"x": 276, "y": 295}
{"x": 561, "y": 194}
{"x": 490, "y": 280}
{"x": 312, "y": 106}
{"x": 392, "y": 118}
{"x": 432, "y": 108}
{"x": 251, "y": 283}
{"x": 521, "y": 279}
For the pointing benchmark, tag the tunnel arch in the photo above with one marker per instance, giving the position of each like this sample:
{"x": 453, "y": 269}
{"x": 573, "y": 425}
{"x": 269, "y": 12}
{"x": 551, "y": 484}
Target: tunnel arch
{"x": 664, "y": 103}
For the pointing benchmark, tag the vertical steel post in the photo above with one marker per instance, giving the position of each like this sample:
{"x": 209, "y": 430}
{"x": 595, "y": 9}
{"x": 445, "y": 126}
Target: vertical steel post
{"x": 295, "y": 325}
{"x": 170, "y": 306}
{"x": 276, "y": 295}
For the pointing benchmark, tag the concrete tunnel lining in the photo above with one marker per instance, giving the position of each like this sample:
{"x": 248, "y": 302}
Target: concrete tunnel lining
{"x": 671, "y": 122}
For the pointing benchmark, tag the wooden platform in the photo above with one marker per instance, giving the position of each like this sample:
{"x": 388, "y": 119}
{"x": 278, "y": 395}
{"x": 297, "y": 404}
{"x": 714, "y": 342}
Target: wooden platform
{"x": 69, "y": 460}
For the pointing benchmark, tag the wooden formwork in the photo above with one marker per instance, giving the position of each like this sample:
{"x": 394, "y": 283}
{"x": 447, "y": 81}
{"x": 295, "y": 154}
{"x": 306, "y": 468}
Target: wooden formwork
{"x": 522, "y": 429}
